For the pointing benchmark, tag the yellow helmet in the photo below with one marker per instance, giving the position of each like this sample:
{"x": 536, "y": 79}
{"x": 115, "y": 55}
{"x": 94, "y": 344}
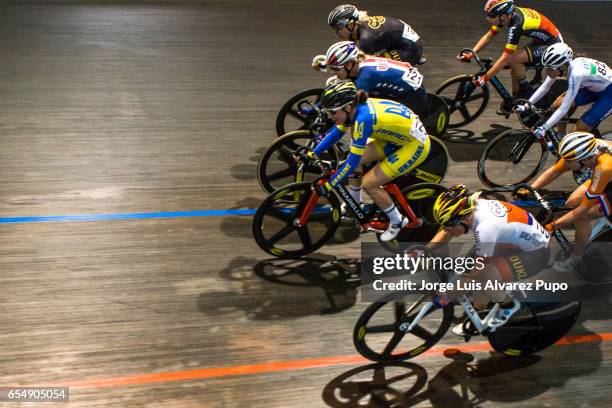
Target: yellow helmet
{"x": 452, "y": 206}
{"x": 578, "y": 146}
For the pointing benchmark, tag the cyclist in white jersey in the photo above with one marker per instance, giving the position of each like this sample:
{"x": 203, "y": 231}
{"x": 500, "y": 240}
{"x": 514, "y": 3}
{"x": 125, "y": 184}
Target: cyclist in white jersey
{"x": 588, "y": 82}
{"x": 513, "y": 243}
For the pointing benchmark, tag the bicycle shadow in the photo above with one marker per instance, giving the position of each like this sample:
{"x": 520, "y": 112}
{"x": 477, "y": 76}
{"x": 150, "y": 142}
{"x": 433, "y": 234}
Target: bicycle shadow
{"x": 316, "y": 285}
{"x": 464, "y": 382}
{"x": 465, "y": 145}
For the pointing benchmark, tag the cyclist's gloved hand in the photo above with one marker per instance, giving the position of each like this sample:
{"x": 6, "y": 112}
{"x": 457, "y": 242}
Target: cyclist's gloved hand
{"x": 318, "y": 63}
{"x": 465, "y": 56}
{"x": 322, "y": 190}
{"x": 522, "y": 194}
{"x": 440, "y": 301}
{"x": 550, "y": 227}
{"x": 522, "y": 107}
{"x": 480, "y": 80}
{"x": 304, "y": 154}
{"x": 539, "y": 132}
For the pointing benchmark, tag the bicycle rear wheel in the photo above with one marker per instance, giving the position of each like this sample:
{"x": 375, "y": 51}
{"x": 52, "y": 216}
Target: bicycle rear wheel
{"x": 377, "y": 335}
{"x": 421, "y": 198}
{"x": 277, "y": 167}
{"x": 465, "y": 101}
{"x": 290, "y": 118}
{"x": 512, "y": 157}
{"x": 436, "y": 119}
{"x": 535, "y": 327}
{"x": 274, "y": 227}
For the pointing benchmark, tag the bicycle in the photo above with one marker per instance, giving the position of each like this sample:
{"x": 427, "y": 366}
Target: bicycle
{"x": 297, "y": 113}
{"x": 532, "y": 328}
{"x": 277, "y": 168}
{"x": 459, "y": 92}
{"x": 293, "y": 221}
{"x": 517, "y": 156}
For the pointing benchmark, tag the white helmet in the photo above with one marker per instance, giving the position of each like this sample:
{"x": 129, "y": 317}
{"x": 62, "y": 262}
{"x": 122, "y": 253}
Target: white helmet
{"x": 578, "y": 146}
{"x": 556, "y": 55}
{"x": 341, "y": 52}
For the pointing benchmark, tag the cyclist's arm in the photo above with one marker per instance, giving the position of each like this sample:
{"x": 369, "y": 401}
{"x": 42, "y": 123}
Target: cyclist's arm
{"x": 550, "y": 175}
{"x": 501, "y": 62}
{"x": 362, "y": 129}
{"x": 569, "y": 218}
{"x": 573, "y": 86}
{"x": 542, "y": 90}
{"x": 330, "y": 139}
{"x": 364, "y": 82}
{"x": 485, "y": 40}
{"x": 440, "y": 238}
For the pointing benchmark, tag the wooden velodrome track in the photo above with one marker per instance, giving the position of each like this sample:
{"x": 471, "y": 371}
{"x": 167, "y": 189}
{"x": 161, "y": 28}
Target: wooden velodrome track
{"x": 154, "y": 108}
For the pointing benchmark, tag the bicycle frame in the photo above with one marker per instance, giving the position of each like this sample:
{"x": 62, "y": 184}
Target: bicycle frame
{"x": 364, "y": 220}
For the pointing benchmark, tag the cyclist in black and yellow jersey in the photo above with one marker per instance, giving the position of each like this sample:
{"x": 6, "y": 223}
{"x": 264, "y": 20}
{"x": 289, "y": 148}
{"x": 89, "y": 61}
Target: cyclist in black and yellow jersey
{"x": 521, "y": 22}
{"x": 383, "y": 36}
{"x": 398, "y": 140}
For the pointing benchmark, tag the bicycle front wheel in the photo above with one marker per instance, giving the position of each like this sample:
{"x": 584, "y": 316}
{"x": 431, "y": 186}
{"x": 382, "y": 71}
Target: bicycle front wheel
{"x": 275, "y": 227}
{"x": 277, "y": 167}
{"x": 465, "y": 101}
{"x": 380, "y": 332}
{"x": 511, "y": 158}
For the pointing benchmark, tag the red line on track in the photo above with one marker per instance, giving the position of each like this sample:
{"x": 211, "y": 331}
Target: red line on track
{"x": 276, "y": 366}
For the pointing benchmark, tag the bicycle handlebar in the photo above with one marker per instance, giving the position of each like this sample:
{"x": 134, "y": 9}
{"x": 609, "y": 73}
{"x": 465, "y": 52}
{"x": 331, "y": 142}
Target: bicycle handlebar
{"x": 543, "y": 203}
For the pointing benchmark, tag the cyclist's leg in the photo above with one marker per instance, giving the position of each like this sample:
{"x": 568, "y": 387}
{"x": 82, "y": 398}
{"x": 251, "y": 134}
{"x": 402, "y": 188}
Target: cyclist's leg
{"x": 518, "y": 72}
{"x": 416, "y": 101}
{"x": 411, "y": 52}
{"x": 402, "y": 161}
{"x": 600, "y": 110}
{"x": 374, "y": 151}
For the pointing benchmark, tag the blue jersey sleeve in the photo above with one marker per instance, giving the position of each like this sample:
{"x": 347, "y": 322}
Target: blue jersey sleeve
{"x": 330, "y": 139}
{"x": 362, "y": 129}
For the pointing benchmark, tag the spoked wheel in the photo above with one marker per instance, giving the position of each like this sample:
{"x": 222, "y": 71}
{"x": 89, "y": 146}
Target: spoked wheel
{"x": 381, "y": 331}
{"x": 436, "y": 119}
{"x": 421, "y": 198}
{"x": 275, "y": 227}
{"x": 277, "y": 167}
{"x": 294, "y": 114}
{"x": 534, "y": 327}
{"x": 465, "y": 100}
{"x": 512, "y": 157}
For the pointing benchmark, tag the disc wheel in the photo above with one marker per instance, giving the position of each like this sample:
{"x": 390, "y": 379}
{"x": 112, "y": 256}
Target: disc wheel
{"x": 291, "y": 117}
{"x": 378, "y": 333}
{"x": 275, "y": 227}
{"x": 421, "y": 198}
{"x": 465, "y": 100}
{"x": 437, "y": 116}
{"x": 277, "y": 167}
{"x": 512, "y": 157}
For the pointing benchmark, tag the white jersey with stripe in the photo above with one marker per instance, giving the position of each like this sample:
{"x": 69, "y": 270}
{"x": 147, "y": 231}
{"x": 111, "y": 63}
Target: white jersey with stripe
{"x": 498, "y": 223}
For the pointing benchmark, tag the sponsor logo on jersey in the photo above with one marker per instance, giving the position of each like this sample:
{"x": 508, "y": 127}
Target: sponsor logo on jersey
{"x": 375, "y": 22}
{"x": 497, "y": 208}
{"x": 413, "y": 160}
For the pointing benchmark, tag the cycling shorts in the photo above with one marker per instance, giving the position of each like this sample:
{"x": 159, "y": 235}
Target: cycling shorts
{"x": 602, "y": 105}
{"x": 535, "y": 52}
{"x": 401, "y": 159}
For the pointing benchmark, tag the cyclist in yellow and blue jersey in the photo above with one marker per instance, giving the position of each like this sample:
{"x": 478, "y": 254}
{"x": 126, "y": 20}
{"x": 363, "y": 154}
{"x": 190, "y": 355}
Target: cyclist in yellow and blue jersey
{"x": 398, "y": 140}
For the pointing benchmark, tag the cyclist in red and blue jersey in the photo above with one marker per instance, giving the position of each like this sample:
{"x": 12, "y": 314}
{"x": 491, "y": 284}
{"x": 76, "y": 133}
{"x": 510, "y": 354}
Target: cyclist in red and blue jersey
{"x": 379, "y": 77}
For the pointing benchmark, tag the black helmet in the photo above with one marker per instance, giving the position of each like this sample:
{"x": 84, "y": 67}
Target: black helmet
{"x": 338, "y": 95}
{"x": 342, "y": 15}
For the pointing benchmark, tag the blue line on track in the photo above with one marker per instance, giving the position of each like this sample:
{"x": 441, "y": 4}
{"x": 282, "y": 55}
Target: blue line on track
{"x": 171, "y": 214}
{"x": 127, "y": 216}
